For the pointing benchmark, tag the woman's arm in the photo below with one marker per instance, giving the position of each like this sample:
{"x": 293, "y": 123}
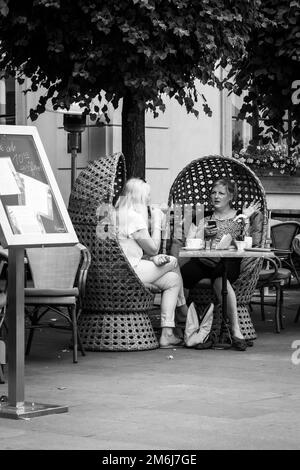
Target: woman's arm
{"x": 249, "y": 214}
{"x": 150, "y": 244}
{"x": 256, "y": 228}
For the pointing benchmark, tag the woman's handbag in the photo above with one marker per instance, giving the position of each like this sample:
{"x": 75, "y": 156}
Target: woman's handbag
{"x": 197, "y": 334}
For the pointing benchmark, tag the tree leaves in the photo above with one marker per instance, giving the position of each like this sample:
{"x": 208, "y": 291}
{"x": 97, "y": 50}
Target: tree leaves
{"x": 3, "y": 8}
{"x": 147, "y": 48}
{"x": 271, "y": 65}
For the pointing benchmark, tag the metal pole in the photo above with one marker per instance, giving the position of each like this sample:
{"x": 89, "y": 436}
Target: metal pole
{"x": 73, "y": 167}
{"x": 74, "y": 143}
{"x": 16, "y": 327}
{"x": 16, "y": 407}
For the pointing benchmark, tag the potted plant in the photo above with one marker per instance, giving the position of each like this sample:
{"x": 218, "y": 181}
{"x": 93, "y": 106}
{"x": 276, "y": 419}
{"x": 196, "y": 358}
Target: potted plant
{"x": 269, "y": 160}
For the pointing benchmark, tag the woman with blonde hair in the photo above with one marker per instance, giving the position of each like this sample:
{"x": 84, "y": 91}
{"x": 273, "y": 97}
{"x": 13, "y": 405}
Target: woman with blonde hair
{"x": 141, "y": 246}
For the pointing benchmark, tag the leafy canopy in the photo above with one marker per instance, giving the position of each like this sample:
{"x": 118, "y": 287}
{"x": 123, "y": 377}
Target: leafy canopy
{"x": 145, "y": 48}
{"x": 271, "y": 67}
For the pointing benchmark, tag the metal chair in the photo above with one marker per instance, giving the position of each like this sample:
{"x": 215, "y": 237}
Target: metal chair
{"x": 116, "y": 306}
{"x": 282, "y": 236}
{"x": 296, "y": 255}
{"x": 193, "y": 185}
{"x": 276, "y": 277}
{"x": 297, "y": 315}
{"x": 59, "y": 278}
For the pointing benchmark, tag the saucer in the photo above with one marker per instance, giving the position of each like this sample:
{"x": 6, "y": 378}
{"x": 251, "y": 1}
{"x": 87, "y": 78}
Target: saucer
{"x": 258, "y": 249}
{"x": 192, "y": 249}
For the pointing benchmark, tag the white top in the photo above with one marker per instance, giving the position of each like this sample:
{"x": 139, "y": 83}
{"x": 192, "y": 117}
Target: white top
{"x": 128, "y": 222}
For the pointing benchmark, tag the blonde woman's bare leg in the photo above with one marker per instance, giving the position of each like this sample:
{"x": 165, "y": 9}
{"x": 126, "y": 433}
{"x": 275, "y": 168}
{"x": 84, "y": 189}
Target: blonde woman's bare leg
{"x": 168, "y": 279}
{"x": 149, "y": 272}
{"x": 181, "y": 306}
{"x": 170, "y": 284}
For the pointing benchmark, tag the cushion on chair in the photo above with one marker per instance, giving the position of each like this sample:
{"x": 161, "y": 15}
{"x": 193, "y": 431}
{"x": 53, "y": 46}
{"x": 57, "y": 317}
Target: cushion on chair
{"x": 34, "y": 292}
{"x": 204, "y": 283}
{"x": 282, "y": 274}
{"x": 44, "y": 300}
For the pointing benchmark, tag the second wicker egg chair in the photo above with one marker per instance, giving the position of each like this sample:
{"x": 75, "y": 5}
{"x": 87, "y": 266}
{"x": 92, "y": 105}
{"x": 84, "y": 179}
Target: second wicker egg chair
{"x": 193, "y": 185}
{"x": 114, "y": 315}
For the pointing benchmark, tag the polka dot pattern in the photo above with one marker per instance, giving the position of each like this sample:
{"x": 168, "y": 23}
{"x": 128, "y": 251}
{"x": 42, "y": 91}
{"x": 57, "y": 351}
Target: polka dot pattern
{"x": 193, "y": 185}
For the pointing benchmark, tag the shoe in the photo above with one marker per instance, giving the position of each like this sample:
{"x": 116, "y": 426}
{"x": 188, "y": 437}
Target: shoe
{"x": 221, "y": 346}
{"x": 249, "y": 343}
{"x": 225, "y": 338}
{"x": 207, "y": 345}
{"x": 238, "y": 344}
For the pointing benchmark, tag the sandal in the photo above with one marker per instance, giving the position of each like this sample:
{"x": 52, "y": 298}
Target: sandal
{"x": 180, "y": 344}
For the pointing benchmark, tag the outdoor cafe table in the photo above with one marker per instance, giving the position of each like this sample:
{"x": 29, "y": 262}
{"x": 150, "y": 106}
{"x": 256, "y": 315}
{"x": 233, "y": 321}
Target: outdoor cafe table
{"x": 195, "y": 253}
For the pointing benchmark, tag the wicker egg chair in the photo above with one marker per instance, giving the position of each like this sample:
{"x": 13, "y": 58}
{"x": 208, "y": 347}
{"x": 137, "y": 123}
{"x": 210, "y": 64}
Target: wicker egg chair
{"x": 193, "y": 185}
{"x": 114, "y": 315}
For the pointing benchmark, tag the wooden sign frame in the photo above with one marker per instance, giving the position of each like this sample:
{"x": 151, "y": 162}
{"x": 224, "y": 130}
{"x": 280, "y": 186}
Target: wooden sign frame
{"x": 62, "y": 233}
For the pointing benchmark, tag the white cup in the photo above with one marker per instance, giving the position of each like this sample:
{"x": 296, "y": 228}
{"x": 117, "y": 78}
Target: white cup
{"x": 248, "y": 242}
{"x": 196, "y": 243}
{"x": 240, "y": 245}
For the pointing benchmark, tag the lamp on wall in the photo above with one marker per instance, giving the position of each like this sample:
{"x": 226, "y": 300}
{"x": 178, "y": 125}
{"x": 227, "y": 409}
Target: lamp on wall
{"x": 74, "y": 123}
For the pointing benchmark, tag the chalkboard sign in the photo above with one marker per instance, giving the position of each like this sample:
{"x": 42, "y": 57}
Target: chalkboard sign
{"x": 32, "y": 211}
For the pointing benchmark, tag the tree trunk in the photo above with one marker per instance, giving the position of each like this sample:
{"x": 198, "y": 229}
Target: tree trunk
{"x": 133, "y": 137}
{"x": 256, "y": 139}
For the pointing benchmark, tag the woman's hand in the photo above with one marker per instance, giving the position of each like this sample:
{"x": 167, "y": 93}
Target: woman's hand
{"x": 210, "y": 231}
{"x": 249, "y": 209}
{"x": 160, "y": 260}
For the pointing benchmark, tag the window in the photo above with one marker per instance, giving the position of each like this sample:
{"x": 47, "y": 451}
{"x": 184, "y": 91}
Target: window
{"x": 7, "y": 101}
{"x": 264, "y": 158}
{"x": 241, "y": 130}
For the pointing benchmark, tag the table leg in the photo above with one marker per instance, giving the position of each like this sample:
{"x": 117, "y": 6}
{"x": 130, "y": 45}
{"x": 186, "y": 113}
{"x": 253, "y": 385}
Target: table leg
{"x": 224, "y": 332}
{"x": 224, "y": 292}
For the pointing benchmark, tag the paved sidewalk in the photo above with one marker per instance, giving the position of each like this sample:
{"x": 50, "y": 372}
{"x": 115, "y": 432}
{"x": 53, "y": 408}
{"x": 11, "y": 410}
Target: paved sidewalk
{"x": 165, "y": 399}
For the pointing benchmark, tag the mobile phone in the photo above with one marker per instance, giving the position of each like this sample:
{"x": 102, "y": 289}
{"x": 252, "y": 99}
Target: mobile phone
{"x": 211, "y": 223}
